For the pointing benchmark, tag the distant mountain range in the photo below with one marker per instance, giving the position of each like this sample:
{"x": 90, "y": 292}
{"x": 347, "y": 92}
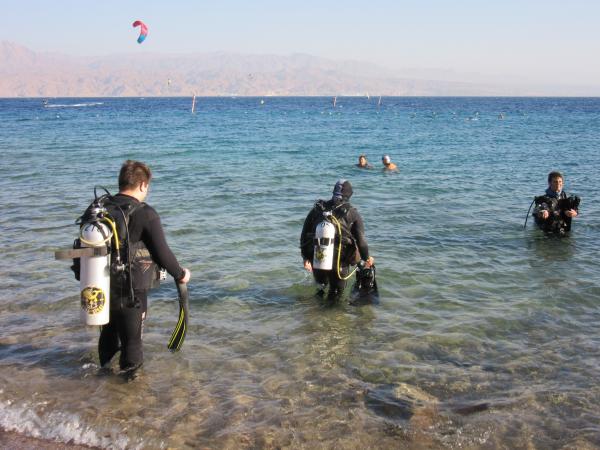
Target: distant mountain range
{"x": 26, "y": 73}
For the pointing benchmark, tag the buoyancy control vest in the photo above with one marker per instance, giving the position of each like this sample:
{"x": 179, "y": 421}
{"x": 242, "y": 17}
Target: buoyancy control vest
{"x": 138, "y": 271}
{"x": 331, "y": 228}
{"x": 131, "y": 266}
{"x": 558, "y": 222}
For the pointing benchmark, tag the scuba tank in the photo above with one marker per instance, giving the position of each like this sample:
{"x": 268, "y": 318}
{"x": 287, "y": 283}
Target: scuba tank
{"x": 97, "y": 230}
{"x": 103, "y": 251}
{"x": 324, "y": 254}
{"x": 92, "y": 262}
{"x": 324, "y": 244}
{"x": 94, "y": 275}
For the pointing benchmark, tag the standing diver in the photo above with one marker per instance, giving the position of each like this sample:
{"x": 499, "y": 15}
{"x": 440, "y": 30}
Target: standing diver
{"x": 332, "y": 235}
{"x": 554, "y": 210}
{"x": 143, "y": 245}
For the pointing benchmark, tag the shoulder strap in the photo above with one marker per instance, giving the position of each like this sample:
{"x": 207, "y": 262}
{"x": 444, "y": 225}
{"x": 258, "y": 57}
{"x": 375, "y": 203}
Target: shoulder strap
{"x": 341, "y": 210}
{"x": 121, "y": 213}
{"x": 320, "y": 205}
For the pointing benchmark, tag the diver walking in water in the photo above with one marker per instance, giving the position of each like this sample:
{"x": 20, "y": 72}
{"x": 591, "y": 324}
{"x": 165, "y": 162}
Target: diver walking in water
{"x": 333, "y": 239}
{"x": 142, "y": 247}
{"x": 555, "y": 209}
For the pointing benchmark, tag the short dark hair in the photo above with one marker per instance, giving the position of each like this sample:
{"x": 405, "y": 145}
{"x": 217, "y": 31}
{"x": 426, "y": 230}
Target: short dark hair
{"x": 552, "y": 175}
{"x": 133, "y": 173}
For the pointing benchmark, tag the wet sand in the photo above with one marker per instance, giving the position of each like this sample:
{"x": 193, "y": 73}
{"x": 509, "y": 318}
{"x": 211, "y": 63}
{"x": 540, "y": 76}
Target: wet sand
{"x": 15, "y": 441}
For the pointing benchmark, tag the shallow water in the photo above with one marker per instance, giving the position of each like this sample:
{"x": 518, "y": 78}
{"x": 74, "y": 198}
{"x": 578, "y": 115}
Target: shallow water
{"x": 486, "y": 335}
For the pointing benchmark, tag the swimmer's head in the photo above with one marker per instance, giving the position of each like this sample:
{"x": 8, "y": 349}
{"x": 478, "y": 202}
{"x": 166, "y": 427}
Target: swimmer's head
{"x": 386, "y": 159}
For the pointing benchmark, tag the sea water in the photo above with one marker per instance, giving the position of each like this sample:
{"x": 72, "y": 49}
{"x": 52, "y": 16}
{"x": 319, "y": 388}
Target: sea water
{"x": 486, "y": 333}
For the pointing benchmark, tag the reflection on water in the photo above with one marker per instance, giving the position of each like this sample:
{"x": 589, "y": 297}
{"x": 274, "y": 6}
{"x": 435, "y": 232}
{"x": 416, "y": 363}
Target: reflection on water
{"x": 548, "y": 249}
{"x": 485, "y": 336}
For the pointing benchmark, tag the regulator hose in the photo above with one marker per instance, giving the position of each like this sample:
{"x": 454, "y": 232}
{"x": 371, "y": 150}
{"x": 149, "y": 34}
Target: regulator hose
{"x": 337, "y": 222}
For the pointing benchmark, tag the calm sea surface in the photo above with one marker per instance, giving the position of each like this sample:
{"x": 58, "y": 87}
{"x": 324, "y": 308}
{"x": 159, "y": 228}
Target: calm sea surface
{"x": 486, "y": 335}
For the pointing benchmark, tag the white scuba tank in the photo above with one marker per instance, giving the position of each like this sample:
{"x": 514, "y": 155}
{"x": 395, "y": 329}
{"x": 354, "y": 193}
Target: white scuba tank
{"x": 95, "y": 275}
{"x": 324, "y": 246}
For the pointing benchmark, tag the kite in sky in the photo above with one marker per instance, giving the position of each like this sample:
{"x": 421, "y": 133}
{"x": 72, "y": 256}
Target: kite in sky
{"x": 143, "y": 30}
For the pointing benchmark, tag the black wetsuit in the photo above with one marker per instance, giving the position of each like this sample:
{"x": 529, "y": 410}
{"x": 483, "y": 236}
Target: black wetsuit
{"x": 353, "y": 230}
{"x": 124, "y": 331}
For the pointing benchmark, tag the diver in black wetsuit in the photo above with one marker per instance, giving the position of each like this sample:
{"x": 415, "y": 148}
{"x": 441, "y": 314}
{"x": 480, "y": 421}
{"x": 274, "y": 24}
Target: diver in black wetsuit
{"x": 554, "y": 210}
{"x": 353, "y": 242}
{"x": 146, "y": 246}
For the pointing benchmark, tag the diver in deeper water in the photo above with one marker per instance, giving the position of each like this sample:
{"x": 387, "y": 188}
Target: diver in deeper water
{"x": 555, "y": 209}
{"x": 145, "y": 246}
{"x": 333, "y": 239}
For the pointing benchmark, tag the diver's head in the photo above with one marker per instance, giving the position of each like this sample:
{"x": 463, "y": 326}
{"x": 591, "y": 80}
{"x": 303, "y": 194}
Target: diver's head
{"x": 342, "y": 190}
{"x": 385, "y": 159}
{"x": 555, "y": 181}
{"x": 134, "y": 179}
{"x": 362, "y": 160}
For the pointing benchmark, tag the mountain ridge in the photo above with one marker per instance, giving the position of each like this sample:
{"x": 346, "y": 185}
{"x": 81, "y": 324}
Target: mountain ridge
{"x": 27, "y": 73}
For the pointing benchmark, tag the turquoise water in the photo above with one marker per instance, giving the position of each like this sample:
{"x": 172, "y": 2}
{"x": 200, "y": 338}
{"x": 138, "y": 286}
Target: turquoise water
{"x": 486, "y": 334}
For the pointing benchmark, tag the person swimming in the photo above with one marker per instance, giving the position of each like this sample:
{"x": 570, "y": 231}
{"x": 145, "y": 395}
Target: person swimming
{"x": 388, "y": 165}
{"x": 363, "y": 163}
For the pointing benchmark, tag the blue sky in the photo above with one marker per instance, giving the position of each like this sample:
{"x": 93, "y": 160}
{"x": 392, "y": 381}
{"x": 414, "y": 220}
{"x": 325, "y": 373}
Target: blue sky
{"x": 544, "y": 41}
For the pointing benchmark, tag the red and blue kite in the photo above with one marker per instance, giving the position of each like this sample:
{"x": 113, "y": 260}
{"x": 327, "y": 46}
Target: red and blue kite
{"x": 143, "y": 30}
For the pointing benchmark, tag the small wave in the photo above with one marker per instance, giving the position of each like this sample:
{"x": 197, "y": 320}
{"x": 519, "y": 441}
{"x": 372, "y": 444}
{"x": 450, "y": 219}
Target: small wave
{"x": 73, "y": 105}
{"x": 58, "y": 426}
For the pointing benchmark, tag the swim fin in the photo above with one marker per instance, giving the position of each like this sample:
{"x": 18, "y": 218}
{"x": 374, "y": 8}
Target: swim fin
{"x": 178, "y": 335}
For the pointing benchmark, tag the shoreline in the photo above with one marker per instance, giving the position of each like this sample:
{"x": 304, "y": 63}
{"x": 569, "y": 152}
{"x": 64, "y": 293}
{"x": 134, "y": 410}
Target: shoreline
{"x": 12, "y": 440}
{"x": 357, "y": 96}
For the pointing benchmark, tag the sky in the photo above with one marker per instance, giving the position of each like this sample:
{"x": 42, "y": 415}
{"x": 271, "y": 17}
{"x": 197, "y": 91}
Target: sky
{"x": 548, "y": 42}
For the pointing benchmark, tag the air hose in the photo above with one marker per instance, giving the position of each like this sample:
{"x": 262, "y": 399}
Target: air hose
{"x": 339, "y": 227}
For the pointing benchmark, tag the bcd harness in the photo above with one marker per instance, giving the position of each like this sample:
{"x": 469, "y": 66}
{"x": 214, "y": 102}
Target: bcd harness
{"x": 557, "y": 221}
{"x": 131, "y": 265}
{"x": 344, "y": 240}
{"x": 109, "y": 265}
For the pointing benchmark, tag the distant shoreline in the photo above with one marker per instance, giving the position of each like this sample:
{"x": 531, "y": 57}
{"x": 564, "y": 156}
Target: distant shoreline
{"x": 307, "y": 96}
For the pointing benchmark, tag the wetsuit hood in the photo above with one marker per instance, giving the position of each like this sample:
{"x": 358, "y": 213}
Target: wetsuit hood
{"x": 342, "y": 191}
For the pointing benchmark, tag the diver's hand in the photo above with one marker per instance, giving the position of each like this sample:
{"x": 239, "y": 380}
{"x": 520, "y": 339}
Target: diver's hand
{"x": 186, "y": 276}
{"x": 307, "y": 265}
{"x": 369, "y": 262}
{"x": 543, "y": 214}
{"x": 570, "y": 213}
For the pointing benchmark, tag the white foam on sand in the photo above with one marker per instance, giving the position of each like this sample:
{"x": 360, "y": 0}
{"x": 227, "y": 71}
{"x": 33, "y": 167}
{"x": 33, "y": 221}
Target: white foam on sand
{"x": 59, "y": 427}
